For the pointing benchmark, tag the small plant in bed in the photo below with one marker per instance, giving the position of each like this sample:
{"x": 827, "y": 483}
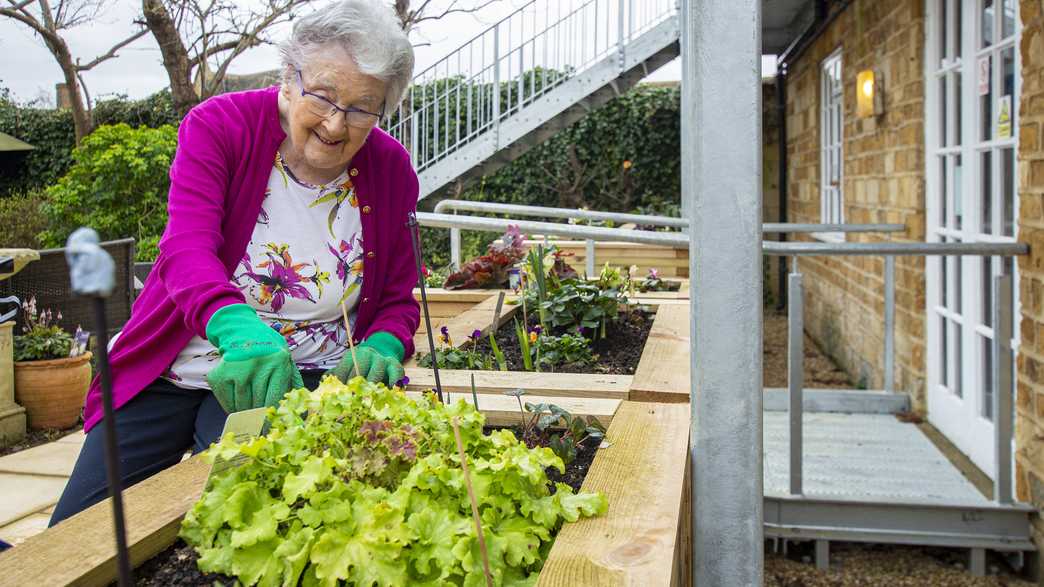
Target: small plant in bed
{"x": 358, "y": 484}
{"x": 653, "y": 282}
{"x": 490, "y": 271}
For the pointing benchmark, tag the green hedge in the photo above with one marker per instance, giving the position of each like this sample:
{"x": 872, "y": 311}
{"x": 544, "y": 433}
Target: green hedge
{"x": 51, "y": 131}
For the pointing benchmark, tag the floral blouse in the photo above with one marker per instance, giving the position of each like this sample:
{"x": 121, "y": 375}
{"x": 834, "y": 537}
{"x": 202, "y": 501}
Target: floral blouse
{"x": 304, "y": 259}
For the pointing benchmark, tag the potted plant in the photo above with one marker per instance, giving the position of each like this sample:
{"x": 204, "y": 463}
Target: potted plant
{"x": 51, "y": 370}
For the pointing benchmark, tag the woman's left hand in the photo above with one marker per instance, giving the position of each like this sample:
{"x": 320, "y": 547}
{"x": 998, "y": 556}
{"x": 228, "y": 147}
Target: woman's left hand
{"x": 379, "y": 360}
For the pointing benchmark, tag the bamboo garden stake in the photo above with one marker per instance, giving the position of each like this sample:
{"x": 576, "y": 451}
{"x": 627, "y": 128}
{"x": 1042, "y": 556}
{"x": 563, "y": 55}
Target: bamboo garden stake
{"x": 474, "y": 504}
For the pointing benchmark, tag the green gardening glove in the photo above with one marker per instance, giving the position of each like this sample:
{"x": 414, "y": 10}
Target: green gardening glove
{"x": 380, "y": 360}
{"x": 256, "y": 369}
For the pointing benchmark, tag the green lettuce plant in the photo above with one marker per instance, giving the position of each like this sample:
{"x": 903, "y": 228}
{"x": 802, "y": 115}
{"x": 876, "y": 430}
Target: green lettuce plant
{"x": 358, "y": 484}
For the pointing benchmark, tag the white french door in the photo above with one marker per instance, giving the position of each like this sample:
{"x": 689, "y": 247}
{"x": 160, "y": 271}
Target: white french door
{"x": 972, "y": 88}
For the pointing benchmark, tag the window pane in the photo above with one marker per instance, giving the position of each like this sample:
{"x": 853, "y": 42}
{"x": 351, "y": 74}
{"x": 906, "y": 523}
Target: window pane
{"x": 944, "y": 195}
{"x": 986, "y": 193}
{"x": 1007, "y": 267}
{"x": 943, "y": 100}
{"x": 957, "y": 27}
{"x": 987, "y": 23}
{"x": 1008, "y": 191}
{"x": 944, "y": 342}
{"x": 1008, "y": 24}
{"x": 957, "y": 269}
{"x": 944, "y": 29}
{"x": 957, "y": 105}
{"x": 957, "y": 360}
{"x": 987, "y": 105}
{"x": 1008, "y": 87}
{"x": 945, "y": 300}
{"x": 987, "y": 291}
{"x": 958, "y": 203}
{"x": 987, "y": 378}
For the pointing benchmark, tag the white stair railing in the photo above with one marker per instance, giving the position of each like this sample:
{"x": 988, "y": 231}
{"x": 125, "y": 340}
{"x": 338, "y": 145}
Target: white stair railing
{"x": 508, "y": 66}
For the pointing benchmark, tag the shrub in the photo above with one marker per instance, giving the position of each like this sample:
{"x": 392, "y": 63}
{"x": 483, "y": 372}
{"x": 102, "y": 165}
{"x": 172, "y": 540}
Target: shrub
{"x": 22, "y": 220}
{"x": 117, "y": 185}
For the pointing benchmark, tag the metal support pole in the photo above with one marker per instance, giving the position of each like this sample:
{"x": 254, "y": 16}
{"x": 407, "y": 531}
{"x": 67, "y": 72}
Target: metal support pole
{"x": 589, "y": 259}
{"x": 796, "y": 376}
{"x": 721, "y": 185}
{"x": 455, "y": 248}
{"x": 889, "y": 324}
{"x": 977, "y": 562}
{"x": 822, "y": 554}
{"x": 1002, "y": 388}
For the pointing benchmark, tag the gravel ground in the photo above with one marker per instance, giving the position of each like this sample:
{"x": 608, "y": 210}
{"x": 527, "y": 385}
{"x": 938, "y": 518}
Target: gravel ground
{"x": 861, "y": 565}
{"x": 820, "y": 371}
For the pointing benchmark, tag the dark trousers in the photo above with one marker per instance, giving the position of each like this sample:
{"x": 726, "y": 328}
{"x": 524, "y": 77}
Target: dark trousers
{"x": 154, "y": 430}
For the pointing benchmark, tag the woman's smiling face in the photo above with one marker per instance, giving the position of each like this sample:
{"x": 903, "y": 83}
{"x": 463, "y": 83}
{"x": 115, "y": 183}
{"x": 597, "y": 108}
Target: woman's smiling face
{"x": 319, "y": 147}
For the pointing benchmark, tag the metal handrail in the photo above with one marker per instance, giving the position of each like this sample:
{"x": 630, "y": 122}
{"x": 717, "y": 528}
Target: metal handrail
{"x": 622, "y": 217}
{"x": 450, "y": 205}
{"x": 1003, "y": 385}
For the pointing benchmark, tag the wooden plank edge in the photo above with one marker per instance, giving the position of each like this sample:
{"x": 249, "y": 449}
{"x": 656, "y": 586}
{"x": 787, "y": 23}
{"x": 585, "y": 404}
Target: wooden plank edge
{"x": 643, "y": 475}
{"x": 582, "y": 385}
{"x": 502, "y": 410}
{"x": 649, "y": 384}
{"x": 438, "y": 294}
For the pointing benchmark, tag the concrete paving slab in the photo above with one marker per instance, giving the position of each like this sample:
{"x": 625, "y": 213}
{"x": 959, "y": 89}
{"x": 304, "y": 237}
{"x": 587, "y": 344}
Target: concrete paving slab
{"x": 74, "y": 438}
{"x": 16, "y": 532}
{"x": 21, "y": 495}
{"x": 53, "y": 458}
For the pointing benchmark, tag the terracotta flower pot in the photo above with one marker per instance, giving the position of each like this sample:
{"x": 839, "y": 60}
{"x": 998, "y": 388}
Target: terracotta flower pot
{"x": 52, "y": 392}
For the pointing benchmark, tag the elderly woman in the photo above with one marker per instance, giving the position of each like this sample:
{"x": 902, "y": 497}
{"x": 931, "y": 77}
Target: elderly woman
{"x": 286, "y": 205}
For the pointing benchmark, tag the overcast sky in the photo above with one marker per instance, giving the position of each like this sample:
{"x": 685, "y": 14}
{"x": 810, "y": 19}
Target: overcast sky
{"x": 30, "y": 72}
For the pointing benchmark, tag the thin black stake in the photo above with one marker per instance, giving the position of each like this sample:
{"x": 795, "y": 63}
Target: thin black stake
{"x": 92, "y": 274}
{"x": 112, "y": 459}
{"x": 415, "y": 238}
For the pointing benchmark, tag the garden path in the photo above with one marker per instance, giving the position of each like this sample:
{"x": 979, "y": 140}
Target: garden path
{"x": 31, "y": 482}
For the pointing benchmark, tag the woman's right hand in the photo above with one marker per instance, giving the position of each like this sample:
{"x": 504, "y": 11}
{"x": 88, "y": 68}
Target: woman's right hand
{"x": 256, "y": 369}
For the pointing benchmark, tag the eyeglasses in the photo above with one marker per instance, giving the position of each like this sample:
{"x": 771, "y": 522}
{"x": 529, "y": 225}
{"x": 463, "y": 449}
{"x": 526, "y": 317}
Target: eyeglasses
{"x": 324, "y": 108}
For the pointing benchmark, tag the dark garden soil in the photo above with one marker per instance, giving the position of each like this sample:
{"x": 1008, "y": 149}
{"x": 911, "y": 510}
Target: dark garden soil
{"x": 38, "y": 437}
{"x": 665, "y": 286}
{"x": 176, "y": 565}
{"x": 865, "y": 565}
{"x": 618, "y": 353}
{"x": 820, "y": 370}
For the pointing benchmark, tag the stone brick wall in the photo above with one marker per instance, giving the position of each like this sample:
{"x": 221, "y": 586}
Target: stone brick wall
{"x": 1029, "y": 423}
{"x": 883, "y": 182}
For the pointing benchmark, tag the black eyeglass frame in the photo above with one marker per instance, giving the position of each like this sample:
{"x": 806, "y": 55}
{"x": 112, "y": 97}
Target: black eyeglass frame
{"x": 345, "y": 111}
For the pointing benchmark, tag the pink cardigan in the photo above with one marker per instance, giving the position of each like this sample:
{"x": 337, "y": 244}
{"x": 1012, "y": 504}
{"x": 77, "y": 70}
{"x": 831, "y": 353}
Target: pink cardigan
{"x": 226, "y": 147}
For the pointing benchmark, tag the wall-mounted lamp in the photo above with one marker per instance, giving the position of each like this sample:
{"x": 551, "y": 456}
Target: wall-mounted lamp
{"x": 869, "y": 101}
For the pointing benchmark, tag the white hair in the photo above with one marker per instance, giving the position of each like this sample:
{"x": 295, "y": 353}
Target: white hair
{"x": 370, "y": 33}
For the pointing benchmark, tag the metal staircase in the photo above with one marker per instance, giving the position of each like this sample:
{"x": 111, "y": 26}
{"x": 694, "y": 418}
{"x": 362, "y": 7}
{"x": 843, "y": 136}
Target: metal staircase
{"x": 525, "y": 78}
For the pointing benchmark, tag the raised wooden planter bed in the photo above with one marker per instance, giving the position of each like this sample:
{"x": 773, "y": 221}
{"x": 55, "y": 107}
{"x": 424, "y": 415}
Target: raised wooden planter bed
{"x": 662, "y": 374}
{"x": 644, "y": 538}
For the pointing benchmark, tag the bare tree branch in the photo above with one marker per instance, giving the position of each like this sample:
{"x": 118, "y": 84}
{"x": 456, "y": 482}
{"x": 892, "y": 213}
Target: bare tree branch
{"x": 111, "y": 52}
